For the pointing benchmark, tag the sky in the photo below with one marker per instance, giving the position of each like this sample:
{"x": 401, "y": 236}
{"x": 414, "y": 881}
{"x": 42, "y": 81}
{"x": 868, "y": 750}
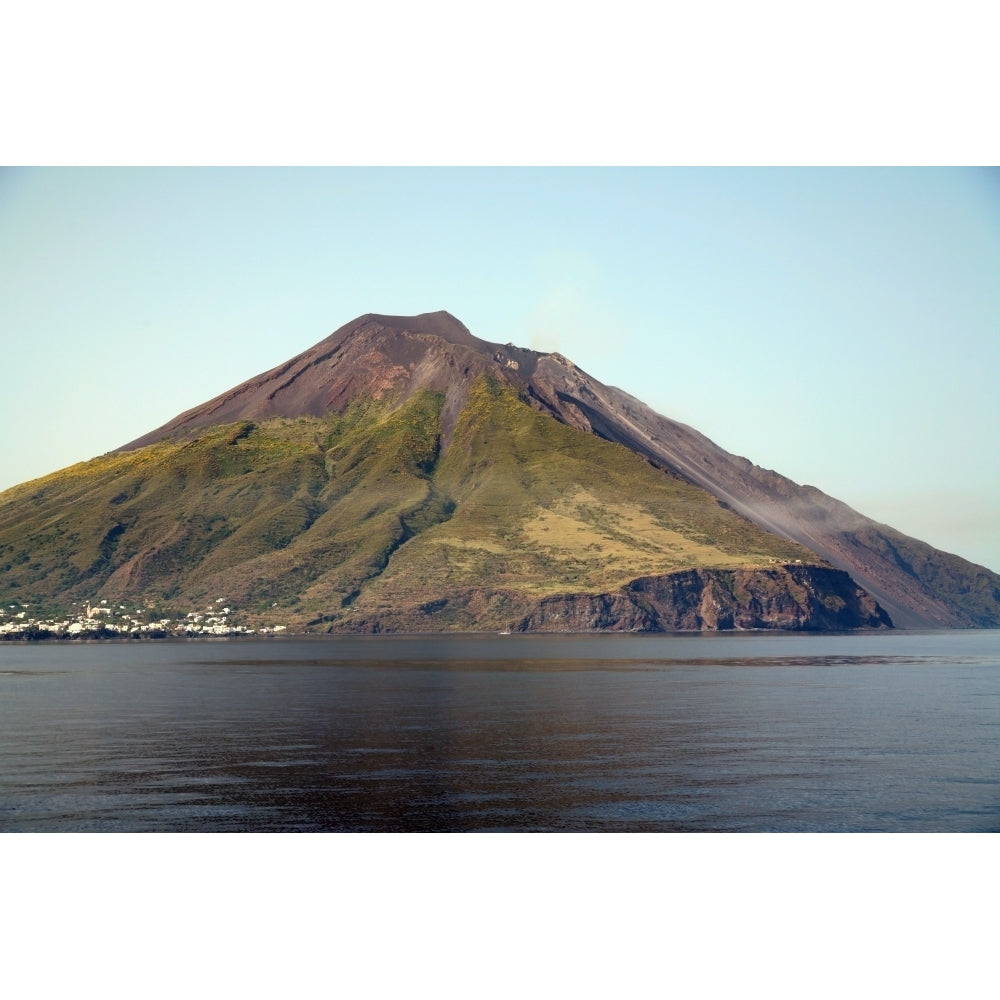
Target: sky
{"x": 840, "y": 326}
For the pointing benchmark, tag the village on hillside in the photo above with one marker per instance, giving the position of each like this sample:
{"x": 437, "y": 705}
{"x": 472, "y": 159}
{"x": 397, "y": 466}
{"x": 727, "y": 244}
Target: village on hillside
{"x": 107, "y": 621}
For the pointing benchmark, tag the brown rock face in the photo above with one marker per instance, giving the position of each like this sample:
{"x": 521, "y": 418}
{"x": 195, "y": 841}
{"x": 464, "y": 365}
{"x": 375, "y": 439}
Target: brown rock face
{"x": 370, "y": 356}
{"x": 791, "y": 598}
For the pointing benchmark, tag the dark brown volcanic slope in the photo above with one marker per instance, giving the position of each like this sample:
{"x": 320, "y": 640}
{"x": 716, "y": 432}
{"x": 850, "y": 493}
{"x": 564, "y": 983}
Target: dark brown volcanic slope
{"x": 369, "y": 356}
{"x": 373, "y": 355}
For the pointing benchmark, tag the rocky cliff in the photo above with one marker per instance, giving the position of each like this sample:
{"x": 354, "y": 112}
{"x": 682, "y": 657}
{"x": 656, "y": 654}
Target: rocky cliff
{"x": 793, "y": 598}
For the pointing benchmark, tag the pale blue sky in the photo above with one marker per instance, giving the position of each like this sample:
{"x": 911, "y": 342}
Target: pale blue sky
{"x": 839, "y": 326}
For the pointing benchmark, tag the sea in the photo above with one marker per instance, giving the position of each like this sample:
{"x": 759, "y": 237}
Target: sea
{"x": 752, "y": 732}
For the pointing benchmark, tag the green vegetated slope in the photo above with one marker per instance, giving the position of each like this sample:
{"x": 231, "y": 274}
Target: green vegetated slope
{"x": 359, "y": 521}
{"x": 542, "y": 509}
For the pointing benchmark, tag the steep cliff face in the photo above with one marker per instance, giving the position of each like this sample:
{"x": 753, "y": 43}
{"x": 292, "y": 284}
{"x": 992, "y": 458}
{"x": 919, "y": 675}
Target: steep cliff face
{"x": 792, "y": 598}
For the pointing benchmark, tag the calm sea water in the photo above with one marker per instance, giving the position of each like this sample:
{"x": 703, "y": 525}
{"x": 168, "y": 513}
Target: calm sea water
{"x": 746, "y": 732}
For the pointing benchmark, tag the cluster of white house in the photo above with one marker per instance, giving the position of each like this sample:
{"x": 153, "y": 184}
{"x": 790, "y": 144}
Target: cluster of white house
{"x": 107, "y": 618}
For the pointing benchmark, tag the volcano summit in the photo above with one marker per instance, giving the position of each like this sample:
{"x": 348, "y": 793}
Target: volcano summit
{"x": 403, "y": 475}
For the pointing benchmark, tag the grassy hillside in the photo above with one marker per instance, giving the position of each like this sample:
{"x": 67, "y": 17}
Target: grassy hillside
{"x": 347, "y": 517}
{"x": 543, "y": 509}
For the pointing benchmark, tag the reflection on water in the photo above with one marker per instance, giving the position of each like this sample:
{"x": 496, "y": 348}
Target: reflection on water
{"x": 751, "y": 732}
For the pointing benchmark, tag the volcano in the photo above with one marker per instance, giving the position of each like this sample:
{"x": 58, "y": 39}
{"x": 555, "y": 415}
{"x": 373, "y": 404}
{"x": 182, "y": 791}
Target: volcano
{"x": 404, "y": 475}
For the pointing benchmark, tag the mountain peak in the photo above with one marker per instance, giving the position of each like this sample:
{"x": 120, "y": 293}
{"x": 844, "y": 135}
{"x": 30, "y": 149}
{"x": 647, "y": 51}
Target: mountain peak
{"x": 372, "y": 355}
{"x": 438, "y": 324}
